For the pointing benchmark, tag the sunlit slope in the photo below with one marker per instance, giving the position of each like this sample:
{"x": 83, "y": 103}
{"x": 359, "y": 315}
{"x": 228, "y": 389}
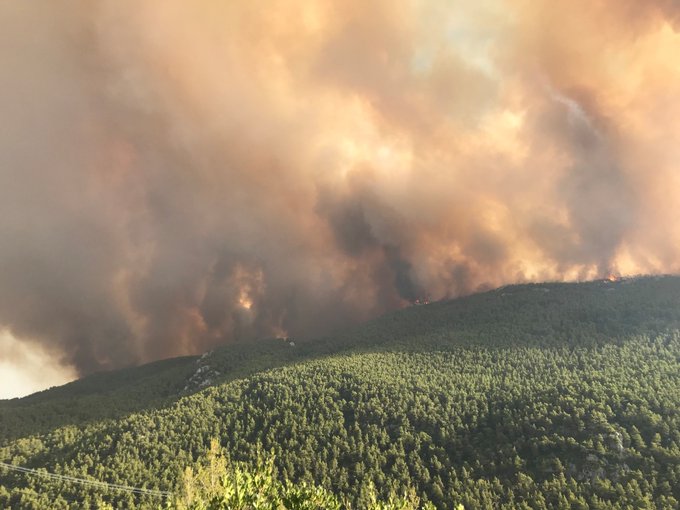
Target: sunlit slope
{"x": 539, "y": 314}
{"x": 562, "y": 395}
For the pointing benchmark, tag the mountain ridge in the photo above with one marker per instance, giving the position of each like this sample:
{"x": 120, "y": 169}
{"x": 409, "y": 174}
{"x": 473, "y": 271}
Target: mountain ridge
{"x": 538, "y": 391}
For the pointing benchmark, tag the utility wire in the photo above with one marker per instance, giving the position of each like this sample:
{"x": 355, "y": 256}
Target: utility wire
{"x": 94, "y": 483}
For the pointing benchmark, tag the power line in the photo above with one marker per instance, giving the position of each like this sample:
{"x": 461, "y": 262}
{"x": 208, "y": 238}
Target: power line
{"x": 93, "y": 483}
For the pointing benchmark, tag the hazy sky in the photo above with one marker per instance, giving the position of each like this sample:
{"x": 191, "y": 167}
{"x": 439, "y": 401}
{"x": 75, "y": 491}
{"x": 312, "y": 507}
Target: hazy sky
{"x": 178, "y": 174}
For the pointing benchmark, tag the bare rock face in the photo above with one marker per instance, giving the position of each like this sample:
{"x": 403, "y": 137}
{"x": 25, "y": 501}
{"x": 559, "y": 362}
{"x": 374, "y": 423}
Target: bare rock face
{"x": 615, "y": 441}
{"x": 204, "y": 375}
{"x": 608, "y": 464}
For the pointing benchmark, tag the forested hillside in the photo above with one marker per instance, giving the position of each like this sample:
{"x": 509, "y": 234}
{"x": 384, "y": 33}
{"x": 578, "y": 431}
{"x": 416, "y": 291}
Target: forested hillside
{"x": 529, "y": 396}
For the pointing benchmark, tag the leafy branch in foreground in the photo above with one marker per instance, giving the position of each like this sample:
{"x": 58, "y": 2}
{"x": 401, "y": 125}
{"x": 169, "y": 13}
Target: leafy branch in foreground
{"x": 217, "y": 484}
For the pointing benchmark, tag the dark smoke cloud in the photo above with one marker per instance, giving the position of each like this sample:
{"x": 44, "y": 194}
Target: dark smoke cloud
{"x": 179, "y": 174}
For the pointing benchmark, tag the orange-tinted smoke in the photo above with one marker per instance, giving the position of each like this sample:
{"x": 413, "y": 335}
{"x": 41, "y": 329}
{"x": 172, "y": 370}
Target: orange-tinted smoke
{"x": 179, "y": 174}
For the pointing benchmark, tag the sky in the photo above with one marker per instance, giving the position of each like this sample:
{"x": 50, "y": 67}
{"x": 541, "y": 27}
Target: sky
{"x": 176, "y": 175}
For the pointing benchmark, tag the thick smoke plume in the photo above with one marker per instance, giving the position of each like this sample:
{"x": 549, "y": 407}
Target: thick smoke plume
{"x": 178, "y": 174}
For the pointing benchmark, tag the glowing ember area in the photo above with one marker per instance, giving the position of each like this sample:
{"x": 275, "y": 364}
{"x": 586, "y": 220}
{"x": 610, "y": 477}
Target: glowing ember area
{"x": 612, "y": 278}
{"x": 278, "y": 332}
{"x": 245, "y": 302}
{"x": 179, "y": 174}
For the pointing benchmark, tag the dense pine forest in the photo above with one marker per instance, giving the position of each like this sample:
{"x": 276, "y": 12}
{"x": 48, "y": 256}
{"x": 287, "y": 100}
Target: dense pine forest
{"x": 529, "y": 396}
